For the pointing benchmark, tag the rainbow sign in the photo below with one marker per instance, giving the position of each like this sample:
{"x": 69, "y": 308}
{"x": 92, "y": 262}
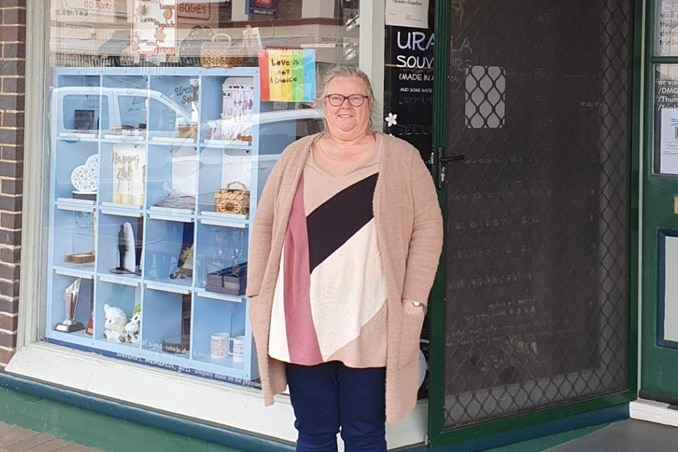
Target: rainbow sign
{"x": 287, "y": 75}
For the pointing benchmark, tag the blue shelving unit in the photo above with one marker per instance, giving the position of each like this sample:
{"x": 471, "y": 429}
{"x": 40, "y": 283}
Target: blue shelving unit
{"x": 150, "y": 133}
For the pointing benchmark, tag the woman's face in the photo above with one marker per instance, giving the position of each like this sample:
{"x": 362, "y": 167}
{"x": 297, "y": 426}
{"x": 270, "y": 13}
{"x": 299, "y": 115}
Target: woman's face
{"x": 346, "y": 121}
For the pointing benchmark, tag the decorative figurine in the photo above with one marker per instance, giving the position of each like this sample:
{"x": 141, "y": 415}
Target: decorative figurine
{"x": 69, "y": 324}
{"x": 126, "y": 250}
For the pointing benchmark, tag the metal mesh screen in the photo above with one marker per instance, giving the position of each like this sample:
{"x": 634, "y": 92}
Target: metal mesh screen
{"x": 537, "y": 214}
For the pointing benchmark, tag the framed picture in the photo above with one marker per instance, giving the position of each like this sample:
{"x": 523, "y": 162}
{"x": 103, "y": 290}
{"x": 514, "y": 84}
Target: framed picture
{"x": 83, "y": 119}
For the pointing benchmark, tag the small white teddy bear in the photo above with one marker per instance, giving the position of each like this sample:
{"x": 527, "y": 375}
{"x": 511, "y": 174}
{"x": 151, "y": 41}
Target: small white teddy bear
{"x": 114, "y": 324}
{"x": 132, "y": 328}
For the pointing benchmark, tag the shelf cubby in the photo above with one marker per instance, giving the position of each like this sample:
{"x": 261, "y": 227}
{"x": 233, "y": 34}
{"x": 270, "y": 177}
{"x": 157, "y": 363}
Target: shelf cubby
{"x": 62, "y": 285}
{"x": 163, "y": 322}
{"x": 114, "y": 292}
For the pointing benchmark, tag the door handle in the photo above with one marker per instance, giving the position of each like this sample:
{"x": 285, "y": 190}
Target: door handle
{"x": 452, "y": 158}
{"x": 439, "y": 161}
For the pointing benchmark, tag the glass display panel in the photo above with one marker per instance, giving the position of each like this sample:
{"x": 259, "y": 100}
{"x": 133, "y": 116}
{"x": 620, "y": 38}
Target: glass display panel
{"x": 165, "y": 120}
{"x": 666, "y": 28}
{"x": 666, "y": 119}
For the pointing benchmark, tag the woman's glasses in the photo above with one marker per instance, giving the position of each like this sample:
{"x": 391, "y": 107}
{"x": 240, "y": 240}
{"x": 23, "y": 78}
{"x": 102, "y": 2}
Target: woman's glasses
{"x": 336, "y": 100}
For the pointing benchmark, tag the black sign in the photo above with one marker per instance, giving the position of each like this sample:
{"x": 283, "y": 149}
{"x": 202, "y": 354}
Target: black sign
{"x": 408, "y": 84}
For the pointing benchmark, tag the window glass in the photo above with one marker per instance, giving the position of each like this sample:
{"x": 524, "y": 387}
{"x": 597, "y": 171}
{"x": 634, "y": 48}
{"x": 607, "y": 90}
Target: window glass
{"x": 665, "y": 30}
{"x": 171, "y": 32}
{"x": 166, "y": 118}
{"x": 665, "y": 119}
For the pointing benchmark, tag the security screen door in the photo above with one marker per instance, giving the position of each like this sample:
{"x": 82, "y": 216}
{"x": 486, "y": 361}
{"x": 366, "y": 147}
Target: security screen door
{"x": 536, "y": 279}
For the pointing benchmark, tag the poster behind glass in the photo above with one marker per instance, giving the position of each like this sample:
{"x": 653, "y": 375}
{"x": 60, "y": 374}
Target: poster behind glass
{"x": 666, "y": 119}
{"x": 666, "y": 28}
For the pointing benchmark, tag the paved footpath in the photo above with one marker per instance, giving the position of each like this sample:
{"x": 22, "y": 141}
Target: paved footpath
{"x": 18, "y": 439}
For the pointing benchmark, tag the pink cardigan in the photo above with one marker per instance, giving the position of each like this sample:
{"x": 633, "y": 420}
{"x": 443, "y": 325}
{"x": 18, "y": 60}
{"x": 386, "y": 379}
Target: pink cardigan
{"x": 410, "y": 236}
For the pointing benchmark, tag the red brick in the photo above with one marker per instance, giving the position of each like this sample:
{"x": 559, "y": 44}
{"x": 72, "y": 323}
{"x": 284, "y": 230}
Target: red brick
{"x": 8, "y": 340}
{"x": 9, "y": 203}
{"x": 5, "y": 356}
{"x": 13, "y": 239}
{"x": 12, "y": 101}
{"x": 10, "y": 220}
{"x": 10, "y": 119}
{"x": 13, "y": 67}
{"x": 10, "y": 307}
{"x": 12, "y": 186}
{"x": 12, "y": 33}
{"x": 13, "y": 152}
{"x": 10, "y": 255}
{"x": 10, "y": 169}
{"x": 13, "y": 84}
{"x": 11, "y": 136}
{"x": 14, "y": 3}
{"x": 14, "y": 16}
{"x": 9, "y": 271}
{"x": 8, "y": 322}
{"x": 14, "y": 50}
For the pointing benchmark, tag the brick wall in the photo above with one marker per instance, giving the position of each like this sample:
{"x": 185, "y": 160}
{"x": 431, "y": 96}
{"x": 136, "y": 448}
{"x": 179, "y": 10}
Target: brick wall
{"x": 12, "y": 90}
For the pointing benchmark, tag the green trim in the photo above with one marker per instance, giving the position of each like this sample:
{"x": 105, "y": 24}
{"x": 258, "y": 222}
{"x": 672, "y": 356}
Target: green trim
{"x": 437, "y": 311}
{"x": 634, "y": 198}
{"x": 534, "y": 419}
{"x": 114, "y": 426}
{"x": 649, "y": 270}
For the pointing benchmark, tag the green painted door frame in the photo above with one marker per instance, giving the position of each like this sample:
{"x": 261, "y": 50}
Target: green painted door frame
{"x": 502, "y": 427}
{"x": 659, "y": 362}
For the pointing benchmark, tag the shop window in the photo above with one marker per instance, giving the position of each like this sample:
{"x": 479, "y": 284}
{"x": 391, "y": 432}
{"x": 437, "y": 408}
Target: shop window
{"x": 164, "y": 124}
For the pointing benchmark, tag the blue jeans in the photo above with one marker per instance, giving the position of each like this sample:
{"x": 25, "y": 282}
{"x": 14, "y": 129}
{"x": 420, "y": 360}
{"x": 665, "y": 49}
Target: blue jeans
{"x": 329, "y": 397}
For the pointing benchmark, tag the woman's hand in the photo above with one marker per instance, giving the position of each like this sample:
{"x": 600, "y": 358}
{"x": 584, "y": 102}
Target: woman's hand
{"x": 410, "y": 308}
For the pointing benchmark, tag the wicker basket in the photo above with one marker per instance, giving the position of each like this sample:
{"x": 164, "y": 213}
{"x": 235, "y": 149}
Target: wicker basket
{"x": 188, "y": 131}
{"x": 220, "y": 53}
{"x": 233, "y": 200}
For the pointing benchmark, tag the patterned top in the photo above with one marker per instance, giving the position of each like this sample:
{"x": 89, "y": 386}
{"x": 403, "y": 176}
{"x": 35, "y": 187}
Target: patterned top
{"x": 330, "y": 296}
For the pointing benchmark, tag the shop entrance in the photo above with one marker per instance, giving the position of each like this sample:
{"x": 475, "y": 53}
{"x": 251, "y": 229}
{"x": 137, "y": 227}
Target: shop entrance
{"x": 535, "y": 311}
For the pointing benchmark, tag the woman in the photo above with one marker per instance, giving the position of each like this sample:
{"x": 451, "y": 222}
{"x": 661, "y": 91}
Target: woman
{"x": 345, "y": 246}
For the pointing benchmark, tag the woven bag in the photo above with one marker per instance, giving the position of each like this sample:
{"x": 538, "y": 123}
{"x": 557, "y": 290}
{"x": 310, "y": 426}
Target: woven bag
{"x": 233, "y": 200}
{"x": 220, "y": 53}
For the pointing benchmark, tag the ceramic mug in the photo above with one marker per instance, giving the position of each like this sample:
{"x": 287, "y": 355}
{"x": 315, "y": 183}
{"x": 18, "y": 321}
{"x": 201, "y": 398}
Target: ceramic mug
{"x": 236, "y": 347}
{"x": 219, "y": 343}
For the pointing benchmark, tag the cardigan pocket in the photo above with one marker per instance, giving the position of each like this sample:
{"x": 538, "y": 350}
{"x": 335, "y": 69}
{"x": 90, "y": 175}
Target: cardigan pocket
{"x": 410, "y": 333}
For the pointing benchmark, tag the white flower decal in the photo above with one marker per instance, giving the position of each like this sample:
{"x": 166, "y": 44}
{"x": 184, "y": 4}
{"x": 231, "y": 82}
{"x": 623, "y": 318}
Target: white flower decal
{"x": 391, "y": 119}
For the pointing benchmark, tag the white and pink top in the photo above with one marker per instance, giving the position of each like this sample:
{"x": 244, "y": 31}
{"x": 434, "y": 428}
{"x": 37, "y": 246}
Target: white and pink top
{"x": 330, "y": 295}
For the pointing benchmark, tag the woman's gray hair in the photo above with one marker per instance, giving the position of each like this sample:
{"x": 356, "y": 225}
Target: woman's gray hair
{"x": 345, "y": 71}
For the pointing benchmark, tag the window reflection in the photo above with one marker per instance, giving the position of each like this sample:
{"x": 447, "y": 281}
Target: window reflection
{"x": 175, "y": 33}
